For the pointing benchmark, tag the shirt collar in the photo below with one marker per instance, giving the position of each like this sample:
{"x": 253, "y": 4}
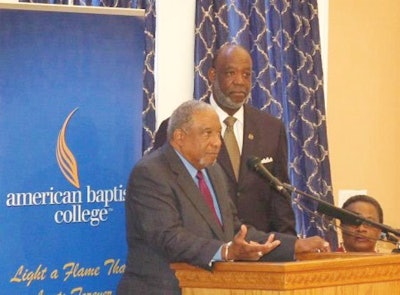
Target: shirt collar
{"x": 189, "y": 167}
{"x": 239, "y": 115}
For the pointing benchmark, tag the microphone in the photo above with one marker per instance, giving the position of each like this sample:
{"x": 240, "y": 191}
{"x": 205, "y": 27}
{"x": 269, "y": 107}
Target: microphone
{"x": 323, "y": 207}
{"x": 254, "y": 163}
{"x": 389, "y": 237}
{"x": 345, "y": 216}
{"x": 360, "y": 235}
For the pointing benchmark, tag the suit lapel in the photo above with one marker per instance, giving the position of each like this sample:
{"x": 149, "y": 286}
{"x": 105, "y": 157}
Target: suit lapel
{"x": 225, "y": 162}
{"x": 223, "y": 201}
{"x": 192, "y": 192}
{"x": 249, "y": 135}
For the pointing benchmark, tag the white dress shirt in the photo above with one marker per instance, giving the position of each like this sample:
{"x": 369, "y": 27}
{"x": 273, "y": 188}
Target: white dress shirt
{"x": 237, "y": 127}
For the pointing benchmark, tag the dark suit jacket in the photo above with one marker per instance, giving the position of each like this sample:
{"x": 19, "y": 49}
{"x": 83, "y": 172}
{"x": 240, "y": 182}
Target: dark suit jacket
{"x": 257, "y": 202}
{"x": 167, "y": 220}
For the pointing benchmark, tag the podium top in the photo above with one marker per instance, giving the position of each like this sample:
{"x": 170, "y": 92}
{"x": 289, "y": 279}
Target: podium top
{"x": 310, "y": 271}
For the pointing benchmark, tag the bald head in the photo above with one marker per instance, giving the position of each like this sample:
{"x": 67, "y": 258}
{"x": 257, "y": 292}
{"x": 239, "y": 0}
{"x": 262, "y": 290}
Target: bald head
{"x": 228, "y": 49}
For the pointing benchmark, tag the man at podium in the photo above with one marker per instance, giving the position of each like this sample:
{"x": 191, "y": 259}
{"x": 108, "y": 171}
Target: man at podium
{"x": 178, "y": 209}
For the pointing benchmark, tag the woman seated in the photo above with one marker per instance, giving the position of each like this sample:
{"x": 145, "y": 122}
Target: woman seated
{"x": 361, "y": 238}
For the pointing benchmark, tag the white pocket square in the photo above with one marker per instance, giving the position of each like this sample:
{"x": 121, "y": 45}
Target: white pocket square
{"x": 267, "y": 160}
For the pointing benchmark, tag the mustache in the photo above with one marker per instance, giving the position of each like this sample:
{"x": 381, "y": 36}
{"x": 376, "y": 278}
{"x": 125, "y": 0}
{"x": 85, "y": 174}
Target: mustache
{"x": 240, "y": 89}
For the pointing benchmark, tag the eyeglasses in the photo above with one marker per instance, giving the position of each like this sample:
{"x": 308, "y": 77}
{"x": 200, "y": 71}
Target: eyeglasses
{"x": 363, "y": 223}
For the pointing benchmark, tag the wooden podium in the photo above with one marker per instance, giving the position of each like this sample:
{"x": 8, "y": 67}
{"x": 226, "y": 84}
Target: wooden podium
{"x": 312, "y": 274}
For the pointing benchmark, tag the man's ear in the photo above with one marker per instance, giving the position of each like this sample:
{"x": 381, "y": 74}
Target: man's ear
{"x": 211, "y": 74}
{"x": 178, "y": 136}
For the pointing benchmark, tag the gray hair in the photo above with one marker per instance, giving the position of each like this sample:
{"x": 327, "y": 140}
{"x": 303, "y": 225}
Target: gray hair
{"x": 181, "y": 118}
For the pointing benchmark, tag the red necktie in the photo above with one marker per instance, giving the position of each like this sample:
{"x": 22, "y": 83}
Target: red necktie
{"x": 206, "y": 193}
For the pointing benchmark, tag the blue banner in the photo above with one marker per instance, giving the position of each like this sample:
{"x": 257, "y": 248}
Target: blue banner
{"x": 70, "y": 126}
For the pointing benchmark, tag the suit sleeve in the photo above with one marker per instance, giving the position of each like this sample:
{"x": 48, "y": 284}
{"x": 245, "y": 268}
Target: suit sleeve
{"x": 284, "y": 252}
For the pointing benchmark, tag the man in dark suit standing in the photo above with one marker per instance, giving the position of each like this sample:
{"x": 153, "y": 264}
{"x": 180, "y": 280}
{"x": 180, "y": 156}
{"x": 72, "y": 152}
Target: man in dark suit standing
{"x": 257, "y": 134}
{"x": 168, "y": 218}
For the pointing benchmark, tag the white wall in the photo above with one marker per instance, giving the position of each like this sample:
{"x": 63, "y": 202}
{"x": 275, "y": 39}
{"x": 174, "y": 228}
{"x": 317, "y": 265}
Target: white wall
{"x": 174, "y": 69}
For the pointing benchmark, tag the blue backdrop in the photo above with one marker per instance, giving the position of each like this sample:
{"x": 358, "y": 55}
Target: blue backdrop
{"x": 70, "y": 128}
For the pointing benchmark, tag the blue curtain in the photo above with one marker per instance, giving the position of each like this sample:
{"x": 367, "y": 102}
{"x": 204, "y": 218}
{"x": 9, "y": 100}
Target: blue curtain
{"x": 283, "y": 38}
{"x": 148, "y": 113}
{"x": 139, "y": 4}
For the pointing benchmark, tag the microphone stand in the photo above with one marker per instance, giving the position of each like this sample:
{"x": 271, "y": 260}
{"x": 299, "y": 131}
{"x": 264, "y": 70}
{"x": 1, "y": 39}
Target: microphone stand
{"x": 343, "y": 215}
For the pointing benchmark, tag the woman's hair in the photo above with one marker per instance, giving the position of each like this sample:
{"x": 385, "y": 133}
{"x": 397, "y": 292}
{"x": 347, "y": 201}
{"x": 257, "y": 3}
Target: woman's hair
{"x": 366, "y": 199}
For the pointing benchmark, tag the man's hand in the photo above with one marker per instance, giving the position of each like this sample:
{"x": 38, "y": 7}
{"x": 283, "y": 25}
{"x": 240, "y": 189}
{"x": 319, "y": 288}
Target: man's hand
{"x": 313, "y": 244}
{"x": 240, "y": 249}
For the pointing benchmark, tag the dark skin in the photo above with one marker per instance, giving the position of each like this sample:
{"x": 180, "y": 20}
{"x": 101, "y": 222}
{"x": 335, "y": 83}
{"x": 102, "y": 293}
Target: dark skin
{"x": 361, "y": 238}
{"x": 200, "y": 144}
{"x": 230, "y": 77}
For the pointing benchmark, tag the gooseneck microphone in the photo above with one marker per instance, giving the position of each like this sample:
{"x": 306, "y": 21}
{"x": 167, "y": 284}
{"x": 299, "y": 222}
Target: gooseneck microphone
{"x": 254, "y": 163}
{"x": 323, "y": 207}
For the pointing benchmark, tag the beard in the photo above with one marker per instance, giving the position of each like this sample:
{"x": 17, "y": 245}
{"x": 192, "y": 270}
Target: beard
{"x": 206, "y": 162}
{"x": 225, "y": 100}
